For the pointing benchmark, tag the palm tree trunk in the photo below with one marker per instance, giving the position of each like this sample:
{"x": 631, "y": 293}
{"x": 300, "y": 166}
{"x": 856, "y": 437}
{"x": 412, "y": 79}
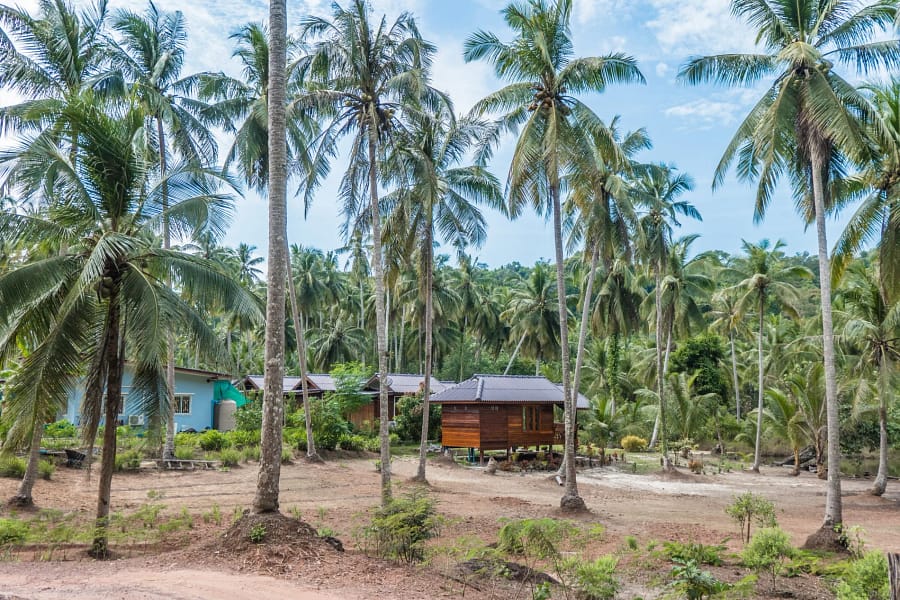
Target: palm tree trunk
{"x": 114, "y": 363}
{"x": 462, "y": 345}
{"x": 571, "y": 500}
{"x": 169, "y": 445}
{"x": 660, "y": 370}
{"x": 585, "y": 317}
{"x": 760, "y": 385}
{"x": 515, "y": 353}
{"x": 380, "y": 314}
{"x": 833, "y": 508}
{"x": 429, "y": 324}
{"x": 23, "y": 496}
{"x": 734, "y": 374}
{"x": 665, "y": 369}
{"x": 268, "y": 479}
{"x": 880, "y": 484}
{"x": 300, "y": 332}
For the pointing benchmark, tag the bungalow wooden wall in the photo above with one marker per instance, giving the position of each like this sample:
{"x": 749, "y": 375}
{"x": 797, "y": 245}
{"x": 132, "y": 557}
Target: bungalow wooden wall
{"x": 542, "y": 437}
{"x": 460, "y": 426}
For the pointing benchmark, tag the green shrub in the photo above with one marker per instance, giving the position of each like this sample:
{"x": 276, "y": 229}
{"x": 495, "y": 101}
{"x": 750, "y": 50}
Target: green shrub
{"x": 328, "y": 424}
{"x": 46, "y": 469}
{"x": 229, "y": 457}
{"x": 186, "y": 439}
{"x": 693, "y": 551}
{"x": 258, "y": 533}
{"x": 633, "y": 443}
{"x": 767, "y": 550}
{"x": 399, "y": 530}
{"x": 12, "y": 531}
{"x": 694, "y": 583}
{"x": 60, "y": 429}
{"x": 243, "y": 439}
{"x": 128, "y": 461}
{"x": 750, "y": 507}
{"x": 213, "y": 440}
{"x": 409, "y": 419}
{"x": 184, "y": 452}
{"x": 865, "y": 579}
{"x": 353, "y": 442}
{"x": 250, "y": 453}
{"x": 538, "y": 538}
{"x": 249, "y": 416}
{"x": 287, "y": 455}
{"x": 12, "y": 466}
{"x": 595, "y": 580}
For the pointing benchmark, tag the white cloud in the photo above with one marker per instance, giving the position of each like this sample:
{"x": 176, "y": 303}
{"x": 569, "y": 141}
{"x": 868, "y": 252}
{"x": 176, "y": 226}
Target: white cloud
{"x": 698, "y": 26}
{"x": 662, "y": 69}
{"x": 705, "y": 113}
{"x": 467, "y": 83}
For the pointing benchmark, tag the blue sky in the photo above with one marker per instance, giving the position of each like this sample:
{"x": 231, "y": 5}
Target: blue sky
{"x": 690, "y": 126}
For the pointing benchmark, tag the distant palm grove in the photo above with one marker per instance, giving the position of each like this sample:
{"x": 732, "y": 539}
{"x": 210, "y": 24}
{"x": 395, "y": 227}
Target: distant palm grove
{"x": 116, "y": 195}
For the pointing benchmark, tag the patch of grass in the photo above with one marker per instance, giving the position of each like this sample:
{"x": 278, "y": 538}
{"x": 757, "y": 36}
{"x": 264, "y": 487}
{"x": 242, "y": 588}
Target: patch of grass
{"x": 46, "y": 469}
{"x": 229, "y": 457}
{"x": 128, "y": 461}
{"x": 12, "y": 532}
{"x": 12, "y": 466}
{"x": 287, "y": 456}
{"x": 214, "y": 515}
{"x": 184, "y": 452}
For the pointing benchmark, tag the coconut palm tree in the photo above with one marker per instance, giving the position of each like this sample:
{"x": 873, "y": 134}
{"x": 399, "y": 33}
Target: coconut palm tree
{"x": 360, "y": 71}
{"x": 657, "y": 189}
{"x": 437, "y": 197}
{"x": 765, "y": 284}
{"x": 877, "y": 219}
{"x": 808, "y": 124}
{"x": 535, "y": 317}
{"x": 727, "y": 320}
{"x": 246, "y": 265}
{"x": 544, "y": 74}
{"x": 150, "y": 53}
{"x": 783, "y": 419}
{"x": 273, "y": 163}
{"x": 874, "y": 327}
{"x": 105, "y": 298}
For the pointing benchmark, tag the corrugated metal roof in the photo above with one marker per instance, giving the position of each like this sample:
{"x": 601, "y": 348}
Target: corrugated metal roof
{"x": 322, "y": 381}
{"x": 288, "y": 383}
{"x": 406, "y": 383}
{"x": 516, "y": 389}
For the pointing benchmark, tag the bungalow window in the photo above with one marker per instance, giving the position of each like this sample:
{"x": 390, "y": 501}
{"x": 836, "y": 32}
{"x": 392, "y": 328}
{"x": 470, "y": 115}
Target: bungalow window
{"x": 182, "y": 404}
{"x": 531, "y": 418}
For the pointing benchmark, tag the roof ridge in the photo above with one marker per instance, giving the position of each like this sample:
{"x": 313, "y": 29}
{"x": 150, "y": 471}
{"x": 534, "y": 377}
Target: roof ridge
{"x": 480, "y": 389}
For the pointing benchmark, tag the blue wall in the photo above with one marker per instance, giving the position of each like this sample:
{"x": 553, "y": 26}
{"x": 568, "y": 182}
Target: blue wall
{"x": 201, "y": 391}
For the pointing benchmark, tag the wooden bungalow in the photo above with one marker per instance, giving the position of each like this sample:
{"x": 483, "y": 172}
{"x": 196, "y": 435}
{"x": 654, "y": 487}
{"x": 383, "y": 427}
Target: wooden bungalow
{"x": 501, "y": 412}
{"x": 399, "y": 385}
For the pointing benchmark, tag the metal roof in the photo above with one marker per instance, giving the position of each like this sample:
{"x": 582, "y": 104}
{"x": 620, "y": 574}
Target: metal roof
{"x": 322, "y": 381}
{"x": 256, "y": 382}
{"x": 406, "y": 383}
{"x": 514, "y": 389}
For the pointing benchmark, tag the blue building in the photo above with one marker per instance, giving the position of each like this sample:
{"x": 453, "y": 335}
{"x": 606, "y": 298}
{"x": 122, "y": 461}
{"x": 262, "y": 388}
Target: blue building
{"x": 196, "y": 393}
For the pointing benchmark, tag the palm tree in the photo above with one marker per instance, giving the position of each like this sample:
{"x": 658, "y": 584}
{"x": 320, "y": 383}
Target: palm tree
{"x": 873, "y": 327}
{"x": 657, "y": 189}
{"x": 808, "y": 123}
{"x": 246, "y": 264}
{"x": 437, "y": 195}
{"x": 555, "y": 126}
{"x": 275, "y": 166}
{"x": 105, "y": 298}
{"x": 783, "y": 419}
{"x": 766, "y": 282}
{"x": 727, "y": 320}
{"x": 535, "y": 317}
{"x": 877, "y": 219}
{"x": 150, "y": 52}
{"x": 339, "y": 341}
{"x": 360, "y": 72}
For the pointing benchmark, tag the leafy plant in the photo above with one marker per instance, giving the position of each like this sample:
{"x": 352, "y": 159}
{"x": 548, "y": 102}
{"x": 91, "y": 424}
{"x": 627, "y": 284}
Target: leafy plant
{"x": 748, "y": 508}
{"x": 767, "y": 551}
{"x": 593, "y": 580}
{"x": 694, "y": 583}
{"x": 251, "y": 453}
{"x": 399, "y": 530}
{"x": 229, "y": 457}
{"x": 258, "y": 533}
{"x": 12, "y": 466}
{"x": 128, "y": 461}
{"x": 60, "y": 429}
{"x": 12, "y": 531}
{"x": 213, "y": 440}
{"x": 865, "y": 579}
{"x": 214, "y": 515}
{"x": 46, "y": 469}
{"x": 701, "y": 554}
{"x": 184, "y": 452}
{"x": 633, "y": 443}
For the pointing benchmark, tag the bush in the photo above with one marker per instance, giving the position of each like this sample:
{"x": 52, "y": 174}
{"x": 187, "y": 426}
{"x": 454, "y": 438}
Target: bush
{"x": 593, "y": 580}
{"x": 538, "y": 538}
{"x": 399, "y": 530}
{"x": 694, "y": 583}
{"x": 184, "y": 452}
{"x": 12, "y": 466}
{"x": 12, "y": 531}
{"x": 213, "y": 440}
{"x": 750, "y": 507}
{"x": 633, "y": 443}
{"x": 128, "y": 461}
{"x": 243, "y": 439}
{"x": 353, "y": 442}
{"x": 249, "y": 416}
{"x": 229, "y": 457}
{"x": 251, "y": 453}
{"x": 767, "y": 550}
{"x": 693, "y": 551}
{"x": 60, "y": 429}
{"x": 46, "y": 469}
{"x": 865, "y": 579}
{"x": 287, "y": 455}
{"x": 409, "y": 419}
{"x": 328, "y": 425}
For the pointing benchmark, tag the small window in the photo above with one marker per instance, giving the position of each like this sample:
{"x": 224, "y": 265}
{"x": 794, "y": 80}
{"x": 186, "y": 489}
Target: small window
{"x": 531, "y": 418}
{"x": 182, "y": 404}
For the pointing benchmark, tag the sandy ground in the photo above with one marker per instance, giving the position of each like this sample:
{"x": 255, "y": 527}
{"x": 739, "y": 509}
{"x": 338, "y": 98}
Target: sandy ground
{"x": 337, "y": 495}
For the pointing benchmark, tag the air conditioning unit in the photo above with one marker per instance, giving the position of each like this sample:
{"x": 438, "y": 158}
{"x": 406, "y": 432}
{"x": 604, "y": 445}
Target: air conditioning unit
{"x": 135, "y": 420}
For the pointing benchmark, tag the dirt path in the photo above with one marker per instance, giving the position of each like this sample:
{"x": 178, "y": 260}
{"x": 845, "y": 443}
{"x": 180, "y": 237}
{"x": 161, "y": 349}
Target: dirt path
{"x": 338, "y": 494}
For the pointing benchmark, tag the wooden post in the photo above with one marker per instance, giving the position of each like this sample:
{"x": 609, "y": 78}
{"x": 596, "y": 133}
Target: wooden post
{"x": 481, "y": 452}
{"x": 894, "y": 575}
